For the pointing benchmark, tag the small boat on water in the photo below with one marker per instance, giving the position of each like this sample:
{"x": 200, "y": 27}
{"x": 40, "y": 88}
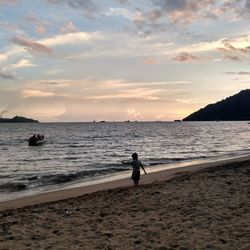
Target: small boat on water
{"x": 36, "y": 140}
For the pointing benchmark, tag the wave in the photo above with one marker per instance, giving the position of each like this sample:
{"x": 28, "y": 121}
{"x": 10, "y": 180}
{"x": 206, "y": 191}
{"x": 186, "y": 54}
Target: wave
{"x": 12, "y": 186}
{"x": 68, "y": 177}
{"x": 79, "y": 146}
{"x": 34, "y": 181}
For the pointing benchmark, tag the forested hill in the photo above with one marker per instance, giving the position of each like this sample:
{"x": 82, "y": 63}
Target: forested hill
{"x": 233, "y": 108}
{"x": 16, "y": 119}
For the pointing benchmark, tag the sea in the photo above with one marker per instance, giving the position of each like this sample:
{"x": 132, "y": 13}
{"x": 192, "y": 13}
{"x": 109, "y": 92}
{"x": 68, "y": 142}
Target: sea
{"x": 78, "y": 153}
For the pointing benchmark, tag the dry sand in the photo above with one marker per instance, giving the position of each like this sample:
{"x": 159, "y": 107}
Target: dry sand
{"x": 205, "y": 209}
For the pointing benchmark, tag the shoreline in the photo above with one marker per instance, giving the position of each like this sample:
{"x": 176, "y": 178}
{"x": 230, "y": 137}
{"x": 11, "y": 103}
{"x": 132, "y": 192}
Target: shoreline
{"x": 67, "y": 193}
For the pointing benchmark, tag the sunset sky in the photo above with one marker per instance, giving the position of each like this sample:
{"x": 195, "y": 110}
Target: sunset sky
{"x": 84, "y": 60}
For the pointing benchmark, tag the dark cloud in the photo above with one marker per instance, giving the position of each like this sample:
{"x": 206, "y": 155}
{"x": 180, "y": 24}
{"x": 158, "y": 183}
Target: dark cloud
{"x": 238, "y": 73}
{"x": 87, "y": 6}
{"x": 185, "y": 57}
{"x": 179, "y": 11}
{"x": 51, "y": 83}
{"x": 240, "y": 7}
{"x": 30, "y": 44}
{"x": 122, "y": 1}
{"x": 233, "y": 53}
{"x": 7, "y": 76}
{"x": 184, "y": 12}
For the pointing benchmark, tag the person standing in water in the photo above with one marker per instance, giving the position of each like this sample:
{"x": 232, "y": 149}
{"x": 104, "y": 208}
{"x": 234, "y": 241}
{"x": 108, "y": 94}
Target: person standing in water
{"x": 136, "y": 164}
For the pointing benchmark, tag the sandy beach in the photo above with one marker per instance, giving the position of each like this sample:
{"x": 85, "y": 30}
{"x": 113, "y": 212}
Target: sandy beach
{"x": 204, "y": 206}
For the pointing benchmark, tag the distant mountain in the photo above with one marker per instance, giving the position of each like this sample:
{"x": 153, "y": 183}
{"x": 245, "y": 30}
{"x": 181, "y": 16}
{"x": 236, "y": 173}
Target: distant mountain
{"x": 16, "y": 119}
{"x": 233, "y": 108}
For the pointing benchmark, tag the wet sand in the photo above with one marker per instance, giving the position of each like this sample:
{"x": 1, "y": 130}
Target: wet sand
{"x": 199, "y": 207}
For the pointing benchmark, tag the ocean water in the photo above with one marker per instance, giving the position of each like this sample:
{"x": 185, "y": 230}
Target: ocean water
{"x": 79, "y": 152}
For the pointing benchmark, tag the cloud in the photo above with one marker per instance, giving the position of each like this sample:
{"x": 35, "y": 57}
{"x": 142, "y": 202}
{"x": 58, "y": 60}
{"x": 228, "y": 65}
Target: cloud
{"x": 163, "y": 14}
{"x": 120, "y": 12}
{"x": 235, "y": 48}
{"x": 8, "y": 26}
{"x": 30, "y": 44}
{"x": 150, "y": 60}
{"x": 40, "y": 25}
{"x": 231, "y": 52}
{"x": 54, "y": 71}
{"x": 134, "y": 114}
{"x": 238, "y": 73}
{"x": 68, "y": 27}
{"x": 8, "y": 2}
{"x": 7, "y": 76}
{"x": 135, "y": 94}
{"x": 122, "y": 1}
{"x": 36, "y": 93}
{"x": 40, "y": 30}
{"x": 87, "y": 6}
{"x": 175, "y": 12}
{"x": 110, "y": 45}
{"x": 72, "y": 38}
{"x": 85, "y": 89}
{"x": 56, "y": 83}
{"x": 23, "y": 63}
{"x": 185, "y": 57}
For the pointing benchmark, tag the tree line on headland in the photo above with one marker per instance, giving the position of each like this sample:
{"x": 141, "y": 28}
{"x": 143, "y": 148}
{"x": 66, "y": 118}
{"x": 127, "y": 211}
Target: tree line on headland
{"x": 233, "y": 108}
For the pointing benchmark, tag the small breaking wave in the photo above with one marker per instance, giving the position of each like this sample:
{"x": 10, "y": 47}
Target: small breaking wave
{"x": 12, "y": 187}
{"x": 34, "y": 181}
{"x": 69, "y": 177}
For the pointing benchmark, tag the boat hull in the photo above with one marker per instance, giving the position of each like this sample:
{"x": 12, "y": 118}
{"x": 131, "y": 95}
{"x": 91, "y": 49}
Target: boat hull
{"x": 37, "y": 143}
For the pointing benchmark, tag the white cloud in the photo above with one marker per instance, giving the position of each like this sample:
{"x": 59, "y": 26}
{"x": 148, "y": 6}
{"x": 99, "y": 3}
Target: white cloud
{"x": 239, "y": 42}
{"x": 120, "y": 12}
{"x": 24, "y": 63}
{"x": 134, "y": 114}
{"x": 72, "y": 38}
{"x": 36, "y": 93}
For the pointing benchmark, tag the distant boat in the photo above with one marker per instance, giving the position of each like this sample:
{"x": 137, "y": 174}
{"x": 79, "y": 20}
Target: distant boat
{"x": 177, "y": 121}
{"x": 36, "y": 140}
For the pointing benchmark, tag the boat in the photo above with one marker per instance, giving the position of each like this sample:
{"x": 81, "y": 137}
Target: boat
{"x": 36, "y": 140}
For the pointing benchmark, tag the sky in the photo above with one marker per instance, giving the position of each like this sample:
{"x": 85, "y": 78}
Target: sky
{"x": 117, "y": 60}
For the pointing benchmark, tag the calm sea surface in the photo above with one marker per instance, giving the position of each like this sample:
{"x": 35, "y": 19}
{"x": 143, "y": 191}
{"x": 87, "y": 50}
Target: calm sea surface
{"x": 82, "y": 151}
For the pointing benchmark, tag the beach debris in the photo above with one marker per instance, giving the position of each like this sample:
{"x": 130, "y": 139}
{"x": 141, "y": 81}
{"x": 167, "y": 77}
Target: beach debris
{"x": 66, "y": 213}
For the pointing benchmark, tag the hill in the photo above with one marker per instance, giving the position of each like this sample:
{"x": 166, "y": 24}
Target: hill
{"x": 16, "y": 119}
{"x": 233, "y": 108}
